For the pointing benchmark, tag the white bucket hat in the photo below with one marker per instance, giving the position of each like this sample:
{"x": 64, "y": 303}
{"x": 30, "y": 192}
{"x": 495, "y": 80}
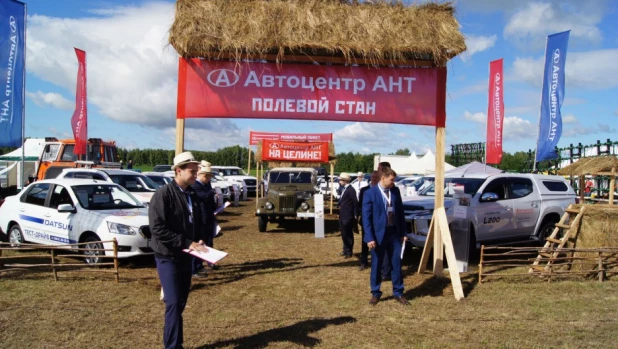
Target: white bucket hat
{"x": 183, "y": 159}
{"x": 360, "y": 174}
{"x": 344, "y": 176}
{"x": 204, "y": 169}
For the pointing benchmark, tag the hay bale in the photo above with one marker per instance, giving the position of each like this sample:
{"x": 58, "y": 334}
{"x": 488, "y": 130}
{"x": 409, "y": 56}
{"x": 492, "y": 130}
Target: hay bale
{"x": 382, "y": 32}
{"x": 590, "y": 166}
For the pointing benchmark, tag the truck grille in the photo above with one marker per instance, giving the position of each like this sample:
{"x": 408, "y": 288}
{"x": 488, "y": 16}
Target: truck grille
{"x": 250, "y": 181}
{"x": 145, "y": 231}
{"x": 287, "y": 204}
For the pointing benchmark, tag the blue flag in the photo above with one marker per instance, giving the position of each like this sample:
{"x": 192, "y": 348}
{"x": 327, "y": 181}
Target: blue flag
{"x": 550, "y": 122}
{"x": 12, "y": 72}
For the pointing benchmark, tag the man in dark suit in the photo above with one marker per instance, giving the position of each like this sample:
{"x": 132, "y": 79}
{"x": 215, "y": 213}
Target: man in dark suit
{"x": 375, "y": 178}
{"x": 348, "y": 206}
{"x": 207, "y": 204}
{"x": 384, "y": 227}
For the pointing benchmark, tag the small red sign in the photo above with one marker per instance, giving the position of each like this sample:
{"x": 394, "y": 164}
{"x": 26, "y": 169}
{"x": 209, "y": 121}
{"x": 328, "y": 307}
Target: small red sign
{"x": 256, "y": 137}
{"x": 294, "y": 151}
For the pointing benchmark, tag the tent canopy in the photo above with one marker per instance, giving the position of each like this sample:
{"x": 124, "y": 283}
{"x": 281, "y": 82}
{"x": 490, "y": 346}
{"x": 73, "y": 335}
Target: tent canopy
{"x": 474, "y": 167}
{"x": 33, "y": 149}
{"x": 411, "y": 165}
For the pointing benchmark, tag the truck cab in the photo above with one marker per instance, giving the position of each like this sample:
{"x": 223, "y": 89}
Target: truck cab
{"x": 58, "y": 155}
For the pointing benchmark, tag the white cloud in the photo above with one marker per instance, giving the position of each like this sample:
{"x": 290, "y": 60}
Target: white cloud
{"x": 476, "y": 117}
{"x": 50, "y": 99}
{"x": 514, "y": 127}
{"x": 588, "y": 70}
{"x": 367, "y": 137}
{"x": 569, "y": 119}
{"x": 132, "y": 73}
{"x": 477, "y": 44}
{"x": 367, "y": 133}
{"x": 480, "y": 87}
{"x": 529, "y": 26}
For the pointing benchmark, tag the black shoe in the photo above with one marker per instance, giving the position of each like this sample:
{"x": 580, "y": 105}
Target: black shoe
{"x": 200, "y": 275}
{"x": 214, "y": 267}
{"x": 348, "y": 255}
{"x": 374, "y": 300}
{"x": 402, "y": 300}
{"x": 342, "y": 254}
{"x": 362, "y": 267}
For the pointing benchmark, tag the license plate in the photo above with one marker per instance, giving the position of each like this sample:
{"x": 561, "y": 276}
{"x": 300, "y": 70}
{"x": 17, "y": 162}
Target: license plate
{"x": 305, "y": 215}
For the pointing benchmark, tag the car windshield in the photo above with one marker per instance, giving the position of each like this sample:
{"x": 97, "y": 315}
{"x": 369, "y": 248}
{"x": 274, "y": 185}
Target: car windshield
{"x": 160, "y": 180}
{"x": 232, "y": 172}
{"x": 162, "y": 168}
{"x": 471, "y": 186}
{"x": 290, "y": 177}
{"x": 104, "y": 197}
{"x": 135, "y": 183}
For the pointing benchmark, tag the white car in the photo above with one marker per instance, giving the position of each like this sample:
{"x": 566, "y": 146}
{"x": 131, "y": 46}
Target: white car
{"x": 138, "y": 184}
{"x": 69, "y": 211}
{"x": 236, "y": 175}
{"x": 159, "y": 177}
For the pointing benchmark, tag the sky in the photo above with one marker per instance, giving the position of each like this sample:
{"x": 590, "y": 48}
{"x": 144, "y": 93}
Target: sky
{"x": 132, "y": 77}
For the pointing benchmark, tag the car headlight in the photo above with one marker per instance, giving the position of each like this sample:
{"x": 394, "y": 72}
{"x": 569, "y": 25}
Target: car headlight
{"x": 304, "y": 206}
{"x": 122, "y": 229}
{"x": 269, "y": 206}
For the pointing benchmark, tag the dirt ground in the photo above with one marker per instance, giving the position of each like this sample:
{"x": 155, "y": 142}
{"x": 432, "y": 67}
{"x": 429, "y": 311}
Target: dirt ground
{"x": 287, "y": 289}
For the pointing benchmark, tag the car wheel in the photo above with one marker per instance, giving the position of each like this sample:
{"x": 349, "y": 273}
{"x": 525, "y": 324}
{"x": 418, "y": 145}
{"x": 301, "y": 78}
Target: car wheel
{"x": 262, "y": 223}
{"x": 92, "y": 250}
{"x": 16, "y": 238}
{"x": 546, "y": 229}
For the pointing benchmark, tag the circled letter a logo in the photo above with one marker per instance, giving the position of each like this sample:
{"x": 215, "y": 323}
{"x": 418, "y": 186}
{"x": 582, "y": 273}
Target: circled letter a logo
{"x": 223, "y": 77}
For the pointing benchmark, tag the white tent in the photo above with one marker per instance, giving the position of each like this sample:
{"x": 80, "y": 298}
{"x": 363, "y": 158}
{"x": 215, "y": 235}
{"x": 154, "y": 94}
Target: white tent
{"x": 474, "y": 167}
{"x": 11, "y": 162}
{"x": 411, "y": 165}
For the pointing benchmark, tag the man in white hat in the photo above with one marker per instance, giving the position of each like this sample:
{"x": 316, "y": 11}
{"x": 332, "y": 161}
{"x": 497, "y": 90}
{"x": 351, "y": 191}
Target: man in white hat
{"x": 208, "y": 204}
{"x": 175, "y": 223}
{"x": 348, "y": 205}
{"x": 360, "y": 183}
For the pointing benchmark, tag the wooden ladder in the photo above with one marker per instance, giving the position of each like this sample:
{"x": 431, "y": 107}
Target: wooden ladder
{"x": 553, "y": 244}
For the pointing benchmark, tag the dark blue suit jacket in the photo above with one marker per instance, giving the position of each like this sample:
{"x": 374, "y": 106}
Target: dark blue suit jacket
{"x": 374, "y": 214}
{"x": 348, "y": 204}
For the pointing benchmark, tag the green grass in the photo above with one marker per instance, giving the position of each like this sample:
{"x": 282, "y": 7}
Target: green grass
{"x": 287, "y": 289}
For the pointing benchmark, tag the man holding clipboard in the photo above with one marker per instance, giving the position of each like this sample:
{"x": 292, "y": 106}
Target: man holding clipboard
{"x": 175, "y": 223}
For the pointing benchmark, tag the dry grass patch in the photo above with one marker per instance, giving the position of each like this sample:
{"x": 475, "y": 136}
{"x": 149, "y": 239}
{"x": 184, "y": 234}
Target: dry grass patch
{"x": 289, "y": 290}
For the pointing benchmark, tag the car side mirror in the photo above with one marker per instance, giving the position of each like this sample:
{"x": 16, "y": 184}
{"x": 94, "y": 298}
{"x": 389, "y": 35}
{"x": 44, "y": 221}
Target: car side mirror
{"x": 221, "y": 174}
{"x": 490, "y": 197}
{"x": 66, "y": 208}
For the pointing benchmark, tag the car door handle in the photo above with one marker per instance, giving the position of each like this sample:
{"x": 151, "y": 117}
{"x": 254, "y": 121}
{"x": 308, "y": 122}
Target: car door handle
{"x": 22, "y": 210}
{"x": 508, "y": 208}
{"x": 47, "y": 215}
{"x": 534, "y": 204}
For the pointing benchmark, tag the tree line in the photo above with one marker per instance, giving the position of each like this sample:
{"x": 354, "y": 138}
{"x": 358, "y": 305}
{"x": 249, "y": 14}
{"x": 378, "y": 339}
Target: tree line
{"x": 346, "y": 162}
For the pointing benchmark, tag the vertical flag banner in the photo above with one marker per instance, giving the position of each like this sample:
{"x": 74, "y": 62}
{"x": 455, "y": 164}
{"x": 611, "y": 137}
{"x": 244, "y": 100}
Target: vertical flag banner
{"x": 495, "y": 113}
{"x": 79, "y": 121}
{"x": 550, "y": 121}
{"x": 12, "y": 72}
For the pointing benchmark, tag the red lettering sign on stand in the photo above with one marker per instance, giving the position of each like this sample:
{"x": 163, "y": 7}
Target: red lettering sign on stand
{"x": 294, "y": 151}
{"x": 256, "y": 137}
{"x": 258, "y": 90}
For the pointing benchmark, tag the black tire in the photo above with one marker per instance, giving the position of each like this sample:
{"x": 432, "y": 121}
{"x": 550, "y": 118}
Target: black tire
{"x": 92, "y": 257}
{"x": 545, "y": 231}
{"x": 262, "y": 223}
{"x": 15, "y": 236}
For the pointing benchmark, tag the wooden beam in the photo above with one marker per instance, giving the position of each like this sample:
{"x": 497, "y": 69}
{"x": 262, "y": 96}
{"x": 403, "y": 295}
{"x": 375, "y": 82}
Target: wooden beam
{"x": 438, "y": 251}
{"x": 315, "y": 59}
{"x": 612, "y": 186}
{"x": 332, "y": 186}
{"x": 249, "y": 162}
{"x": 428, "y": 246}
{"x": 582, "y": 187}
{"x": 180, "y": 136}
{"x": 440, "y": 215}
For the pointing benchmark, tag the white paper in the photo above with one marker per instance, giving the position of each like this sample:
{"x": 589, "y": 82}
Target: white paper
{"x": 217, "y": 230}
{"x": 227, "y": 203}
{"x": 460, "y": 212}
{"x": 403, "y": 248}
{"x": 212, "y": 256}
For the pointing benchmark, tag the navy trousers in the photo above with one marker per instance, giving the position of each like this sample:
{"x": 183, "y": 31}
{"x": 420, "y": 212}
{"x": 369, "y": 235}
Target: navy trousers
{"x": 175, "y": 276}
{"x": 387, "y": 252}
{"x": 347, "y": 234}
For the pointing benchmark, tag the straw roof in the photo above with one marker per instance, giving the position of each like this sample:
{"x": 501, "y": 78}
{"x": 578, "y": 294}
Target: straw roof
{"x": 590, "y": 166}
{"x": 379, "y": 32}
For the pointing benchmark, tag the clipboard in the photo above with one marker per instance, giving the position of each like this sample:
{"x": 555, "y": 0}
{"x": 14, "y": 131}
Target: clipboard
{"x": 212, "y": 256}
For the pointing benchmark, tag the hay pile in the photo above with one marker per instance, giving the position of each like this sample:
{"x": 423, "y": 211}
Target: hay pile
{"x": 273, "y": 164}
{"x": 382, "y": 32}
{"x": 590, "y": 166}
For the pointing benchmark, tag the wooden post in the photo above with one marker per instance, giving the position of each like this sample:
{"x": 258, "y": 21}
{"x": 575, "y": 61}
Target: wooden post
{"x": 443, "y": 230}
{"x": 438, "y": 246}
{"x": 332, "y": 186}
{"x": 259, "y": 184}
{"x": 115, "y": 244}
{"x": 582, "y": 187}
{"x": 428, "y": 246}
{"x": 600, "y": 267}
{"x": 612, "y": 186}
{"x": 180, "y": 136}
{"x": 481, "y": 265}
{"x": 53, "y": 263}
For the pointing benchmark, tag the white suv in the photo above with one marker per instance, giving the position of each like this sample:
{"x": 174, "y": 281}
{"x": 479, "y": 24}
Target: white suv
{"x": 138, "y": 184}
{"x": 236, "y": 175}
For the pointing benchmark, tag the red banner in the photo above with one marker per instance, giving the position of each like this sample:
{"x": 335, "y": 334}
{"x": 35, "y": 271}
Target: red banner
{"x": 222, "y": 89}
{"x": 256, "y": 137}
{"x": 294, "y": 151}
{"x": 495, "y": 113}
{"x": 79, "y": 121}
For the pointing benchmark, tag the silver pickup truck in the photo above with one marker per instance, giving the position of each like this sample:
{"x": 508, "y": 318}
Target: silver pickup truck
{"x": 504, "y": 208}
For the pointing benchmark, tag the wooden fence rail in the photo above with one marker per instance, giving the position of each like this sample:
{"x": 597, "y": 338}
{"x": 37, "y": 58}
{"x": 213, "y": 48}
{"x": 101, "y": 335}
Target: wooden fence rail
{"x": 568, "y": 262}
{"x": 55, "y": 253}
